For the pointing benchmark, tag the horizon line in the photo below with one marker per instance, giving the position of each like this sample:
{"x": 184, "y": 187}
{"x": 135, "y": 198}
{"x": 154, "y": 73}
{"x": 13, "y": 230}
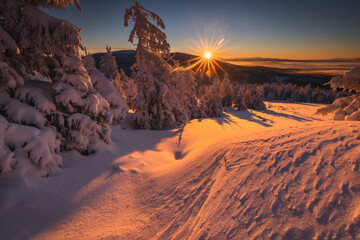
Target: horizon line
{"x": 253, "y": 59}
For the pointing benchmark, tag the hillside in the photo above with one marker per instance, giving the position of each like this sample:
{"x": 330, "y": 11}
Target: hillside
{"x": 244, "y": 74}
{"x": 280, "y": 173}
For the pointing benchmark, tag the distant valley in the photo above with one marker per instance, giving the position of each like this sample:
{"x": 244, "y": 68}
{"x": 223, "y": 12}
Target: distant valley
{"x": 239, "y": 73}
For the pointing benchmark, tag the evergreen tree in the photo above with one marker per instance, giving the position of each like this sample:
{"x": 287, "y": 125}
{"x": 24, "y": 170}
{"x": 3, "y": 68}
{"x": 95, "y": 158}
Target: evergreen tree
{"x": 226, "y": 91}
{"x": 346, "y": 108}
{"x": 129, "y": 87}
{"x": 88, "y": 61}
{"x": 109, "y": 67}
{"x": 186, "y": 92}
{"x": 254, "y": 98}
{"x": 212, "y": 100}
{"x": 238, "y": 101}
{"x": 156, "y": 104}
{"x": 64, "y": 111}
{"x": 349, "y": 81}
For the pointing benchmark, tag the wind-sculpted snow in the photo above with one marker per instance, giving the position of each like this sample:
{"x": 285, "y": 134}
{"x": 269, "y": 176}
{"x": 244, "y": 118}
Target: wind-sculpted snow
{"x": 301, "y": 184}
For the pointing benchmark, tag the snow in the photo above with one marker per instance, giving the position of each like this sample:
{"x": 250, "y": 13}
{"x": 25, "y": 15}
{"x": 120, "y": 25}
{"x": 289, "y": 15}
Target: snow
{"x": 35, "y": 96}
{"x": 7, "y": 42}
{"x": 111, "y": 94}
{"x": 20, "y": 113}
{"x": 11, "y": 77}
{"x": 279, "y": 173}
{"x": 40, "y": 146}
{"x": 349, "y": 81}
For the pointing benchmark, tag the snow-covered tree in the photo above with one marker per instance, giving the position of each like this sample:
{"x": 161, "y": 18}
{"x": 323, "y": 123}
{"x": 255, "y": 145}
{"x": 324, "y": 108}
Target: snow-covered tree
{"x": 238, "y": 100}
{"x": 108, "y": 65}
{"x": 156, "y": 104}
{"x": 88, "y": 61}
{"x": 254, "y": 98}
{"x": 346, "y": 108}
{"x": 349, "y": 81}
{"x": 117, "y": 105}
{"x": 211, "y": 101}
{"x": 61, "y": 111}
{"x": 150, "y": 37}
{"x": 226, "y": 91}
{"x": 186, "y": 92}
{"x": 129, "y": 88}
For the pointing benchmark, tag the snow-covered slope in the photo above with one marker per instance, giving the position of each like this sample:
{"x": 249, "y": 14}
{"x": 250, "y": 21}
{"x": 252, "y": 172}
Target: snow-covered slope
{"x": 279, "y": 173}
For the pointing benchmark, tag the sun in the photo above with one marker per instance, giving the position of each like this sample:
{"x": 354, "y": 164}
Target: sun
{"x": 207, "y": 55}
{"x": 206, "y": 62}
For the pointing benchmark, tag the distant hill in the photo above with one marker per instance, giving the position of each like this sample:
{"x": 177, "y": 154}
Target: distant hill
{"x": 243, "y": 74}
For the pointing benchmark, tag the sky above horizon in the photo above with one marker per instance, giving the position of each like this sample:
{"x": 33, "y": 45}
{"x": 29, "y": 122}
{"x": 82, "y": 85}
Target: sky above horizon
{"x": 316, "y": 29}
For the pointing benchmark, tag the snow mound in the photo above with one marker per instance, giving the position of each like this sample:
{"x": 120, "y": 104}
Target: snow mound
{"x": 299, "y": 184}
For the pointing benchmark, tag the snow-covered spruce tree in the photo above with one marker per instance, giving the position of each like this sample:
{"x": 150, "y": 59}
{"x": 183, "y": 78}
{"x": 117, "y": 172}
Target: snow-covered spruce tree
{"x": 156, "y": 104}
{"x": 211, "y": 101}
{"x": 226, "y": 91}
{"x": 64, "y": 111}
{"x": 118, "y": 108}
{"x": 186, "y": 92}
{"x": 346, "y": 108}
{"x": 109, "y": 68}
{"x": 88, "y": 61}
{"x": 108, "y": 65}
{"x": 107, "y": 87}
{"x": 254, "y": 98}
{"x": 129, "y": 88}
{"x": 238, "y": 100}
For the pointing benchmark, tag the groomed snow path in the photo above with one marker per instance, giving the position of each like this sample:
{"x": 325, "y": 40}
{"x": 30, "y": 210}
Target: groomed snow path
{"x": 275, "y": 174}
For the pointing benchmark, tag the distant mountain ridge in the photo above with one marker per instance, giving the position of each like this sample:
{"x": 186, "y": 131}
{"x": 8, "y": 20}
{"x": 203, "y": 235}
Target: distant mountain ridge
{"x": 242, "y": 74}
{"x": 261, "y": 59}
